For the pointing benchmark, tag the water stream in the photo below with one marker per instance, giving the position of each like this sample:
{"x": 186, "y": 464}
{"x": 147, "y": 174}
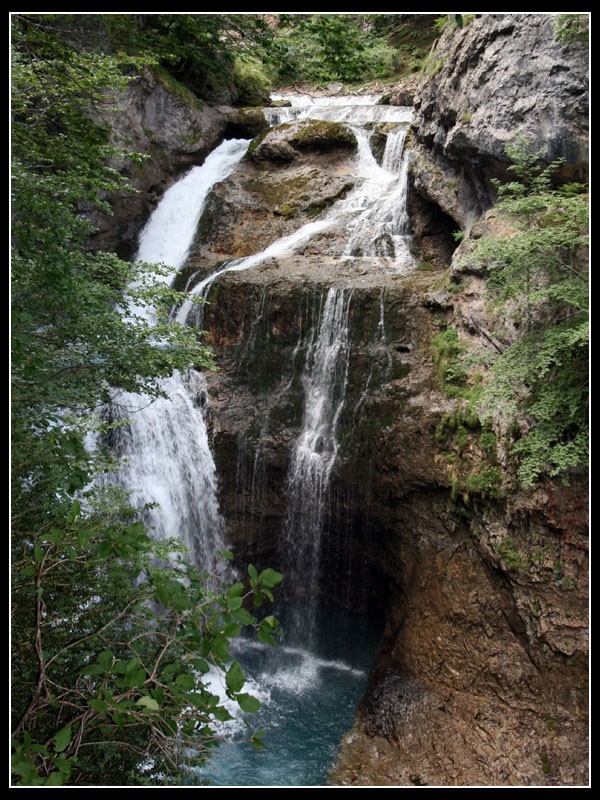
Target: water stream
{"x": 311, "y": 684}
{"x": 167, "y": 460}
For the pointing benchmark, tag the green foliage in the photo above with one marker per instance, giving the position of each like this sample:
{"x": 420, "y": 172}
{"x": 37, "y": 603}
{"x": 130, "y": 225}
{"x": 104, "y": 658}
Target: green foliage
{"x": 450, "y": 22}
{"x": 443, "y": 23}
{"x": 175, "y": 86}
{"x": 112, "y": 653}
{"x": 447, "y": 350}
{"x": 251, "y": 82}
{"x": 326, "y": 47}
{"x": 572, "y": 29}
{"x": 485, "y": 483}
{"x": 545, "y": 763}
{"x": 539, "y": 384}
{"x": 199, "y": 49}
{"x": 110, "y": 647}
{"x": 511, "y": 558}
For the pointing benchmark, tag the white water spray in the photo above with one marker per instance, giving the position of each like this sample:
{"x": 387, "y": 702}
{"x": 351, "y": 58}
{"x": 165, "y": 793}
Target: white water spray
{"x": 167, "y": 457}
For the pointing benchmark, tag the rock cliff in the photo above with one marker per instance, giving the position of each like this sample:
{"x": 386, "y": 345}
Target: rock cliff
{"x": 500, "y": 76}
{"x": 481, "y": 678}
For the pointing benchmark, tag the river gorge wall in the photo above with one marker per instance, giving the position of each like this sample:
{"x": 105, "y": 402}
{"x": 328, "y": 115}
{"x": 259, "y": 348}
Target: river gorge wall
{"x": 481, "y": 676}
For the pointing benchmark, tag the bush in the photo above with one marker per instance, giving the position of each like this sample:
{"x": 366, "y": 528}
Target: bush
{"x": 251, "y": 82}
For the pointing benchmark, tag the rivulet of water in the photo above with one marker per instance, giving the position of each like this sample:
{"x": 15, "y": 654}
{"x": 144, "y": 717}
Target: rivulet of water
{"x": 166, "y": 458}
{"x": 314, "y": 454}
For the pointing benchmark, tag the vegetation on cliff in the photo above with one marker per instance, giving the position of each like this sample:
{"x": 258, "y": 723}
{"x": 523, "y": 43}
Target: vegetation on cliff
{"x": 535, "y": 395}
{"x": 540, "y": 277}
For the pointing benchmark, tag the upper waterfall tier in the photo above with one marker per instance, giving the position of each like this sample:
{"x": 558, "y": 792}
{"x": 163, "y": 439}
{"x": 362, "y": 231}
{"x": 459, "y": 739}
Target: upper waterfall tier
{"x": 354, "y": 109}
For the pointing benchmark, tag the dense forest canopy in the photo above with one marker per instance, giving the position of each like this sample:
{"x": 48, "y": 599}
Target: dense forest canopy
{"x": 97, "y": 696}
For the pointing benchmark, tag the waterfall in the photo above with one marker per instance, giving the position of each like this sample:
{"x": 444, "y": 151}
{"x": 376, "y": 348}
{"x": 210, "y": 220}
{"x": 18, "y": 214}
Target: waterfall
{"x": 167, "y": 463}
{"x": 354, "y": 109}
{"x": 315, "y": 452}
{"x": 381, "y": 231}
{"x": 169, "y": 467}
{"x": 378, "y": 229}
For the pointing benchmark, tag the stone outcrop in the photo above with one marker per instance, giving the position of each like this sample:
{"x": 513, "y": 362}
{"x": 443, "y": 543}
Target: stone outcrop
{"x": 167, "y": 123}
{"x": 290, "y": 176}
{"x": 481, "y": 677}
{"x": 501, "y": 76}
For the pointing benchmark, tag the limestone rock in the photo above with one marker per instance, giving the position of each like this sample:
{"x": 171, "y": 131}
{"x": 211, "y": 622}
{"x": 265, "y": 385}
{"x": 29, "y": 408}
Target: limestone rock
{"x": 500, "y": 76}
{"x": 285, "y": 142}
{"x": 174, "y": 130}
{"x": 292, "y": 174}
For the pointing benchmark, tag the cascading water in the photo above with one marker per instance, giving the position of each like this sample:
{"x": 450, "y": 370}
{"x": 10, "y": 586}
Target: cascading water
{"x": 309, "y": 691}
{"x": 167, "y": 460}
{"x": 359, "y": 212}
{"x": 309, "y": 684}
{"x": 315, "y": 452}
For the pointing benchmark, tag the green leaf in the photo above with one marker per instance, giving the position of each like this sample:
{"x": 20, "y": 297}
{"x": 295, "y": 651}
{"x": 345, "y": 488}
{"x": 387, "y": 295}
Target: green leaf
{"x": 235, "y": 678}
{"x": 135, "y": 679}
{"x": 264, "y": 637}
{"x": 62, "y": 739}
{"x": 56, "y": 778}
{"x": 132, "y": 665}
{"x": 106, "y": 659}
{"x": 244, "y": 617}
{"x": 28, "y": 571}
{"x": 270, "y": 578}
{"x": 248, "y": 703}
{"x": 104, "y": 549}
{"x": 231, "y": 630}
{"x": 185, "y": 681}
{"x": 75, "y": 510}
{"x": 25, "y": 769}
{"x": 201, "y": 665}
{"x": 235, "y": 590}
{"x": 65, "y": 765}
{"x": 92, "y": 669}
{"x": 220, "y": 648}
{"x": 97, "y": 704}
{"x": 221, "y": 713}
{"x": 257, "y": 740}
{"x": 148, "y": 702}
{"x": 252, "y": 572}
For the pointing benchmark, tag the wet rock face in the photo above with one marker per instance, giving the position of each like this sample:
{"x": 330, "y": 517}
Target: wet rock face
{"x": 482, "y": 674}
{"x": 471, "y": 687}
{"x": 291, "y": 175}
{"x": 176, "y": 132}
{"x": 501, "y": 76}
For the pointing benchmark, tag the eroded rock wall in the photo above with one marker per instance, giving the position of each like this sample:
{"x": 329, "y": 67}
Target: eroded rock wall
{"x": 501, "y": 76}
{"x": 481, "y": 678}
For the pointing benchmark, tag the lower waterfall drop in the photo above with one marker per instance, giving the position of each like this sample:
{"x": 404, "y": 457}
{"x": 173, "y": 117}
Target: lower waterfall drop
{"x": 314, "y": 455}
{"x": 310, "y": 684}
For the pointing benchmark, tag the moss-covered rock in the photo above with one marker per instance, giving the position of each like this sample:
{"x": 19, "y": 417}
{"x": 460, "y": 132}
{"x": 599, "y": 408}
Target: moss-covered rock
{"x": 244, "y": 123}
{"x": 285, "y": 142}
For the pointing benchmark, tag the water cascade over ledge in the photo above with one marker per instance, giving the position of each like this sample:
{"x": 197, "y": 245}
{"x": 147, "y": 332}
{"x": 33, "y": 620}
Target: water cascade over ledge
{"x": 167, "y": 458}
{"x": 169, "y": 461}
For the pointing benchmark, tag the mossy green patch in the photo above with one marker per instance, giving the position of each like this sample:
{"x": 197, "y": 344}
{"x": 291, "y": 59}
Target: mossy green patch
{"x": 172, "y": 85}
